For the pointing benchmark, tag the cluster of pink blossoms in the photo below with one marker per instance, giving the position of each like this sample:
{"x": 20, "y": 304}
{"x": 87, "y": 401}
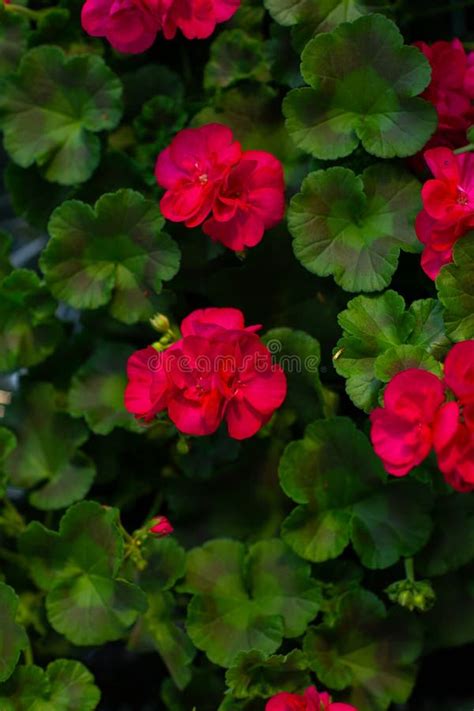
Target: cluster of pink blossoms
{"x": 311, "y": 700}
{"x": 422, "y": 412}
{"x": 448, "y": 206}
{"x": 451, "y": 91}
{"x": 205, "y": 171}
{"x": 132, "y": 25}
{"x": 219, "y": 370}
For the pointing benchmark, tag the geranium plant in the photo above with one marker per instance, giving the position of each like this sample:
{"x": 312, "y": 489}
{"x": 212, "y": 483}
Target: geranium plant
{"x": 236, "y": 355}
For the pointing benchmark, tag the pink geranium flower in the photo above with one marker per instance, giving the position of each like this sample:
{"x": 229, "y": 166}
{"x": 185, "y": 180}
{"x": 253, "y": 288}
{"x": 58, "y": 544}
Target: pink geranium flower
{"x": 204, "y": 171}
{"x": 129, "y": 25}
{"x": 197, "y": 19}
{"x": 311, "y": 700}
{"x": 132, "y": 25}
{"x": 451, "y": 89}
{"x": 402, "y": 430}
{"x": 219, "y": 370}
{"x": 250, "y": 200}
{"x": 448, "y": 206}
{"x": 192, "y": 168}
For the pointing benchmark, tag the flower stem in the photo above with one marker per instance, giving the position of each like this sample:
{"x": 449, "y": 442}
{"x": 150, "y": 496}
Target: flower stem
{"x": 464, "y": 149}
{"x": 410, "y": 569}
{"x": 27, "y": 12}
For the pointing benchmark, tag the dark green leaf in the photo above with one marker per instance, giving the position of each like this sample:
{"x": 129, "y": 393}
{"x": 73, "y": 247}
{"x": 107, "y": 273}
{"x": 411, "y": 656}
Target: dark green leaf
{"x": 114, "y": 254}
{"x": 368, "y": 650}
{"x": 236, "y": 55}
{"x": 52, "y": 109}
{"x": 12, "y": 635}
{"x": 48, "y": 451}
{"x": 254, "y": 674}
{"x": 13, "y": 40}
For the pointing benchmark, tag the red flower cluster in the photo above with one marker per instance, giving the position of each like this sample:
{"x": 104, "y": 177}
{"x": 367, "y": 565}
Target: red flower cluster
{"x": 311, "y": 700}
{"x": 417, "y": 417}
{"x": 451, "y": 91}
{"x": 219, "y": 370}
{"x": 204, "y": 170}
{"x": 448, "y": 206}
{"x": 132, "y": 25}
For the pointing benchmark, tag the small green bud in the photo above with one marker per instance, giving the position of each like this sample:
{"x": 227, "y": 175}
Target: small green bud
{"x": 160, "y": 323}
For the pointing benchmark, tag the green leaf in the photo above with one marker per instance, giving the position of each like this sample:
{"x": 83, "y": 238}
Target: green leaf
{"x": 450, "y": 623}
{"x": 354, "y": 227}
{"x": 454, "y": 522}
{"x": 5, "y": 249}
{"x": 324, "y": 15}
{"x": 160, "y": 629}
{"x": 299, "y": 354}
{"x": 51, "y": 109}
{"x": 13, "y": 638}
{"x": 112, "y": 254}
{"x": 97, "y": 390}
{"x": 13, "y": 40}
{"x": 29, "y": 331}
{"x": 166, "y": 563}
{"x": 72, "y": 686}
{"x": 65, "y": 685}
{"x": 247, "y": 600}
{"x": 381, "y": 338}
{"x": 338, "y": 481}
{"x": 363, "y": 82}
{"x": 78, "y": 567}
{"x": 235, "y": 56}
{"x": 455, "y": 285}
{"x": 254, "y": 674}
{"x": 367, "y": 649}
{"x": 48, "y": 451}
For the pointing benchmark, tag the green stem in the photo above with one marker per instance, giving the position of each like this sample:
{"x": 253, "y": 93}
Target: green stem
{"x": 34, "y": 15}
{"x": 28, "y": 654}
{"x": 410, "y": 569}
{"x": 464, "y": 149}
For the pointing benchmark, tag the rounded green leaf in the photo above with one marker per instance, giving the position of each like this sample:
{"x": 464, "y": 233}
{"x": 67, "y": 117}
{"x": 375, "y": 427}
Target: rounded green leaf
{"x": 29, "y": 331}
{"x": 363, "y": 82}
{"x": 78, "y": 566}
{"x": 48, "y": 453}
{"x": 13, "y": 40}
{"x": 381, "y": 337}
{"x": 244, "y": 601}
{"x": 368, "y": 650}
{"x": 51, "y": 109}
{"x": 354, "y": 227}
{"x": 455, "y": 285}
{"x": 98, "y": 387}
{"x": 255, "y": 675}
{"x": 27, "y": 690}
{"x": 235, "y": 56}
{"x": 13, "y": 638}
{"x": 72, "y": 686}
{"x": 112, "y": 254}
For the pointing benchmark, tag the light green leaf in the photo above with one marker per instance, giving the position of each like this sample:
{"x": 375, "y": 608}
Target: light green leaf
{"x": 363, "y": 86}
{"x": 13, "y": 638}
{"x": 354, "y": 227}
{"x": 455, "y": 285}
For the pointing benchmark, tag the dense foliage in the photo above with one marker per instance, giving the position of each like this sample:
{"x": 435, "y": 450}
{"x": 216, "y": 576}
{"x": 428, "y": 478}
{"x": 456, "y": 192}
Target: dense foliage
{"x": 296, "y": 532}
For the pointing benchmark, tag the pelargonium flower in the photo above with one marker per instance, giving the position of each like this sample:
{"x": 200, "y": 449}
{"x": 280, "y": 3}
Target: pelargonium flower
{"x": 192, "y": 168}
{"x": 161, "y": 527}
{"x": 132, "y": 25}
{"x": 311, "y": 700}
{"x": 448, "y": 206}
{"x": 197, "y": 19}
{"x": 451, "y": 89}
{"x": 204, "y": 171}
{"x": 129, "y": 25}
{"x": 402, "y": 430}
{"x": 219, "y": 370}
{"x": 250, "y": 200}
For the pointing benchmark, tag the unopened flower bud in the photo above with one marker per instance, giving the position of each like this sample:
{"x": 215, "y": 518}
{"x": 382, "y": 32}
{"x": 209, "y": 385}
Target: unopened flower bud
{"x": 161, "y": 527}
{"x": 160, "y": 323}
